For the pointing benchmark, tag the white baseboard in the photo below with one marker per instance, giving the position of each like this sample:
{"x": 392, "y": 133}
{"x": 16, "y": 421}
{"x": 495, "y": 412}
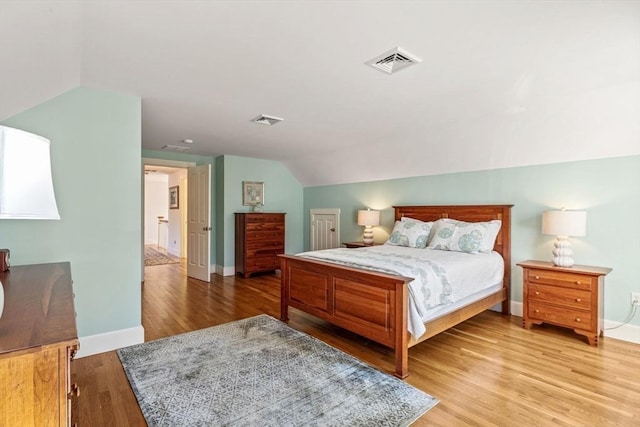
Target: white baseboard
{"x": 516, "y": 308}
{"x": 108, "y": 341}
{"x": 627, "y": 332}
{"x": 225, "y": 271}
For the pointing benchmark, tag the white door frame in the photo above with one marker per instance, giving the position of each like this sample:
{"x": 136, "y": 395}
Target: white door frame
{"x": 155, "y": 162}
{"x": 325, "y": 211}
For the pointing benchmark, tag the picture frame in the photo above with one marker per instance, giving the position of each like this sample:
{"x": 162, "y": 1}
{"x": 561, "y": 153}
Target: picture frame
{"x": 174, "y": 197}
{"x": 252, "y": 193}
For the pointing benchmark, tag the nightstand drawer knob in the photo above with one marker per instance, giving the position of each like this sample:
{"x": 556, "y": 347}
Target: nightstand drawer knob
{"x": 537, "y": 311}
{"x": 578, "y": 300}
{"x": 578, "y": 282}
{"x": 537, "y": 293}
{"x": 577, "y": 319}
{"x": 537, "y": 277}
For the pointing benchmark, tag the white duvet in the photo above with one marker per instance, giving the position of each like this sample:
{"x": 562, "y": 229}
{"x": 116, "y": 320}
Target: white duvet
{"x": 440, "y": 277}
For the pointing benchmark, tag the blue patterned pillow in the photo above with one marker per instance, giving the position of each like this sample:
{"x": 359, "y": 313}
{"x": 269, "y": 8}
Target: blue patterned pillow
{"x": 460, "y": 236}
{"x": 442, "y": 233}
{"x": 468, "y": 237}
{"x": 410, "y": 232}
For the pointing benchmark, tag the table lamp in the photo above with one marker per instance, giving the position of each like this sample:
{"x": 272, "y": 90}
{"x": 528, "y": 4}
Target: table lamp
{"x": 368, "y": 219}
{"x": 26, "y": 186}
{"x": 564, "y": 224}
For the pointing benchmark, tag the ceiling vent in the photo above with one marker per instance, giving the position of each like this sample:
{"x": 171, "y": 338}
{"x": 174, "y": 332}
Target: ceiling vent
{"x": 263, "y": 119}
{"x": 170, "y": 147}
{"x": 394, "y": 60}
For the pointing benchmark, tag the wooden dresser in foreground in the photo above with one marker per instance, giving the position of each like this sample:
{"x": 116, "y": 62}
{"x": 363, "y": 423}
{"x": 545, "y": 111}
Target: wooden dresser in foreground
{"x": 259, "y": 240}
{"x": 38, "y": 339}
{"x": 572, "y": 297}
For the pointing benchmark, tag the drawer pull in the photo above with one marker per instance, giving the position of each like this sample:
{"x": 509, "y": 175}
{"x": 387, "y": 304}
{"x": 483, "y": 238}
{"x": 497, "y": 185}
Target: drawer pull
{"x": 537, "y": 293}
{"x": 578, "y": 282}
{"x": 578, "y": 300}
{"x": 537, "y": 277}
{"x": 537, "y": 311}
{"x": 577, "y": 319}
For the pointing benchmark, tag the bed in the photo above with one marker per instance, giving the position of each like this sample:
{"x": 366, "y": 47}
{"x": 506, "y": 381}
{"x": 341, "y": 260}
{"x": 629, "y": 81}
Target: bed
{"x": 375, "y": 304}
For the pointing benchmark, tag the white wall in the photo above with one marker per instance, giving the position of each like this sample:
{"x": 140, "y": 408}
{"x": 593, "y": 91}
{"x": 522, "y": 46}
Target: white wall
{"x": 156, "y": 203}
{"x": 178, "y": 178}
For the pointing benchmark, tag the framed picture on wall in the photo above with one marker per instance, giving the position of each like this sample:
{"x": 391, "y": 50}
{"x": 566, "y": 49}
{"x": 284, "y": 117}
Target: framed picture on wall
{"x": 174, "y": 197}
{"x": 252, "y": 193}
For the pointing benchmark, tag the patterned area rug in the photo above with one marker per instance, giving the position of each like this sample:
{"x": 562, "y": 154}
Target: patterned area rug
{"x": 153, "y": 257}
{"x": 259, "y": 371}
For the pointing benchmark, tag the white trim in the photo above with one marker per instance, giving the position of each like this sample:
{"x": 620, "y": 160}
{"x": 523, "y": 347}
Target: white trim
{"x": 169, "y": 163}
{"x": 516, "y": 308}
{"x": 224, "y": 271}
{"x": 312, "y": 232}
{"x": 108, "y": 341}
{"x": 627, "y": 332}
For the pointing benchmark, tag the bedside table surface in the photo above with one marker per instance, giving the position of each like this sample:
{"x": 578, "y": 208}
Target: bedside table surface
{"x": 357, "y": 244}
{"x": 582, "y": 269}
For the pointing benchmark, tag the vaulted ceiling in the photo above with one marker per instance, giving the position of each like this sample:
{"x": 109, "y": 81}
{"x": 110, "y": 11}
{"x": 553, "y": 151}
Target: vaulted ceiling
{"x": 501, "y": 83}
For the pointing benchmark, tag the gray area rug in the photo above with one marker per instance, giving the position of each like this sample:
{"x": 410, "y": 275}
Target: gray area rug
{"x": 153, "y": 257}
{"x": 260, "y": 372}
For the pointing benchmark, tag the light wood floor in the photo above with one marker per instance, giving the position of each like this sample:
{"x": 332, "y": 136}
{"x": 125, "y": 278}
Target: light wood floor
{"x": 487, "y": 371}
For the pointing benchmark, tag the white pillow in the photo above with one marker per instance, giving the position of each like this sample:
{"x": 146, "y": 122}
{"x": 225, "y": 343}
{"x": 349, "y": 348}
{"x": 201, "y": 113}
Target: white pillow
{"x": 468, "y": 237}
{"x": 471, "y": 237}
{"x": 493, "y": 228}
{"x": 410, "y": 232}
{"x": 442, "y": 233}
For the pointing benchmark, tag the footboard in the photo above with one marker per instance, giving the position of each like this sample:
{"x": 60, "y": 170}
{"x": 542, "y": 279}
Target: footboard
{"x": 368, "y": 303}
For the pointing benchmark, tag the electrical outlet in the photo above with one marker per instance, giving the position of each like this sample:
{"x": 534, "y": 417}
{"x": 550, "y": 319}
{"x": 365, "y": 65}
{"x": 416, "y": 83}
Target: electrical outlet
{"x": 635, "y": 298}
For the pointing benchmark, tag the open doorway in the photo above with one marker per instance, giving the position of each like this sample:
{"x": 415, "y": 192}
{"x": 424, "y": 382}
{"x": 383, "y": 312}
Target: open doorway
{"x": 188, "y": 217}
{"x": 165, "y": 210}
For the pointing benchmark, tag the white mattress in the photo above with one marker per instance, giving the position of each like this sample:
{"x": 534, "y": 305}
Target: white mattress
{"x": 463, "y": 276}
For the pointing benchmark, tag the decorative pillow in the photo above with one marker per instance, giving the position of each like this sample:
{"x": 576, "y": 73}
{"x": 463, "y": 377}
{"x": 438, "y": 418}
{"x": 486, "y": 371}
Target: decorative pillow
{"x": 493, "y": 228}
{"x": 442, "y": 233}
{"x": 468, "y": 237}
{"x": 471, "y": 237}
{"x": 410, "y": 232}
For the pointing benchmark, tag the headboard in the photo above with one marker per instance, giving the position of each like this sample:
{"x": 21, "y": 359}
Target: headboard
{"x": 469, "y": 213}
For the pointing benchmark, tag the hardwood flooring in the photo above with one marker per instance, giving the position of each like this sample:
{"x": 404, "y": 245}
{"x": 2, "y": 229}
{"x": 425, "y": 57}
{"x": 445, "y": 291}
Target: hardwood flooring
{"x": 488, "y": 371}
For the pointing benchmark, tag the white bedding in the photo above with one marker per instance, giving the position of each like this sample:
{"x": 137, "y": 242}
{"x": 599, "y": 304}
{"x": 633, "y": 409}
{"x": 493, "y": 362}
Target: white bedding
{"x": 441, "y": 278}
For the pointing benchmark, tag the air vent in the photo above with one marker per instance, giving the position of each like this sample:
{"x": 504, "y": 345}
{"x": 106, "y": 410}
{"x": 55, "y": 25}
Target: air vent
{"x": 169, "y": 147}
{"x": 263, "y": 119}
{"x": 394, "y": 60}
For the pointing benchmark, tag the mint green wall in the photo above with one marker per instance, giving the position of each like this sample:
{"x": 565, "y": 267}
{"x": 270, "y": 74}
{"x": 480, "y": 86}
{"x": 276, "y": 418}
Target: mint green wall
{"x": 608, "y": 189}
{"x": 220, "y": 217}
{"x": 282, "y": 193}
{"x": 95, "y": 154}
{"x": 198, "y": 160}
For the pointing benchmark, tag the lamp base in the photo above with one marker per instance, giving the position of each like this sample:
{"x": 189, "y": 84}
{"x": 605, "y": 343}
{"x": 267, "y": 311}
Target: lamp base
{"x": 562, "y": 252}
{"x": 367, "y": 237}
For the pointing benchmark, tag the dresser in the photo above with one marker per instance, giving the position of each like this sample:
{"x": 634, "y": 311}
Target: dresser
{"x": 259, "y": 240}
{"x": 38, "y": 340}
{"x": 571, "y": 297}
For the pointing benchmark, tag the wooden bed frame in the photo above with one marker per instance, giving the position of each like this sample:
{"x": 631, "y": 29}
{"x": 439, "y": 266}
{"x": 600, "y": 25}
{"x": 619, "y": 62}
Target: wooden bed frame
{"x": 374, "y": 304}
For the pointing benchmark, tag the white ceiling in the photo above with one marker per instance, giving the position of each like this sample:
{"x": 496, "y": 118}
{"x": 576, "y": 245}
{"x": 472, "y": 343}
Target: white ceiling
{"x": 502, "y": 83}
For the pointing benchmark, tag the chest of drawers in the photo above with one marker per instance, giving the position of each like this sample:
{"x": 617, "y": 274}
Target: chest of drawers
{"x": 570, "y": 297}
{"x": 38, "y": 339}
{"x": 259, "y": 240}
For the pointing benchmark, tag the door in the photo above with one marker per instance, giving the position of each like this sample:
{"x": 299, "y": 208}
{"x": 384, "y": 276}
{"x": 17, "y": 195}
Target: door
{"x": 199, "y": 223}
{"x": 325, "y": 229}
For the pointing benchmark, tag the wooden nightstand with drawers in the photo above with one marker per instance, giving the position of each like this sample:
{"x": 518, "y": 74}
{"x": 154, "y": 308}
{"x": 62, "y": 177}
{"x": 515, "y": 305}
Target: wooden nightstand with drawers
{"x": 571, "y": 297}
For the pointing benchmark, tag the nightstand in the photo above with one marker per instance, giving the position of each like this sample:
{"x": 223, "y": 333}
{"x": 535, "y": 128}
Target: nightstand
{"x": 571, "y": 297}
{"x": 356, "y": 245}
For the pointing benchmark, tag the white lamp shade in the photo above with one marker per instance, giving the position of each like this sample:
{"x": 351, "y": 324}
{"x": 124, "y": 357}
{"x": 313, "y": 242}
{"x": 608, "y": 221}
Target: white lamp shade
{"x": 564, "y": 223}
{"x": 368, "y": 218}
{"x": 26, "y": 186}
